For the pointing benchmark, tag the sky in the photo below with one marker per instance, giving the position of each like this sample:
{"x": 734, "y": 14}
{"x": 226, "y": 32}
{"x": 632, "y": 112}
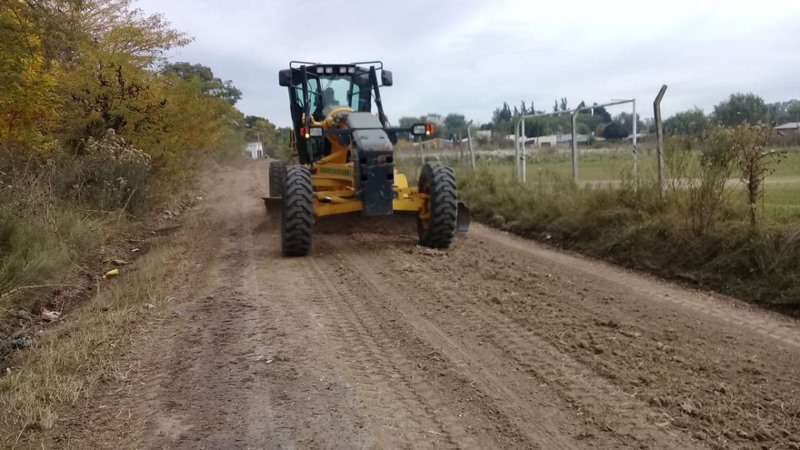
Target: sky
{"x": 469, "y": 56}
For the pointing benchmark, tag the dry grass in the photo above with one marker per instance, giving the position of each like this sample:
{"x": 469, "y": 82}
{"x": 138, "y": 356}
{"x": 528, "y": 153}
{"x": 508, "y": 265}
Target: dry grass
{"x": 70, "y": 359}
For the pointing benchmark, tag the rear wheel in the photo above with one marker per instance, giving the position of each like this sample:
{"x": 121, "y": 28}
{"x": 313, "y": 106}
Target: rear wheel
{"x": 436, "y": 223}
{"x": 277, "y": 173}
{"x": 297, "y": 221}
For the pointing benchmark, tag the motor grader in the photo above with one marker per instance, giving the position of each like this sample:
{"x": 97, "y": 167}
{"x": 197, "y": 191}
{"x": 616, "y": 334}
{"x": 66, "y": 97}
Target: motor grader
{"x": 343, "y": 159}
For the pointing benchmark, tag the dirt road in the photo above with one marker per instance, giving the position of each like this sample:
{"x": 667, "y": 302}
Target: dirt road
{"x": 497, "y": 343}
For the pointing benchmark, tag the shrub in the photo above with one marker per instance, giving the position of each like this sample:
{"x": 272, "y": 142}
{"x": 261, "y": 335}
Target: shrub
{"x": 107, "y": 175}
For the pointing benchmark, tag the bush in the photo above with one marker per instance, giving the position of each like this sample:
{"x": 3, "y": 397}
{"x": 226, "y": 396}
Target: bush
{"x": 107, "y": 175}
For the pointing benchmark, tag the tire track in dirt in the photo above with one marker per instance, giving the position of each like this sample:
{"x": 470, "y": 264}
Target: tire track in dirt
{"x": 687, "y": 375}
{"x": 372, "y": 342}
{"x": 242, "y": 374}
{"x": 533, "y": 371}
{"x": 377, "y": 355}
{"x": 782, "y": 329}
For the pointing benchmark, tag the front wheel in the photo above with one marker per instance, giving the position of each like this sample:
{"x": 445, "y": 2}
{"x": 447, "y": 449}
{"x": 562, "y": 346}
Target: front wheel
{"x": 436, "y": 223}
{"x": 297, "y": 221}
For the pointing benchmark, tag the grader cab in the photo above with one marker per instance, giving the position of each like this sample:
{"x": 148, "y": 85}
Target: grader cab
{"x": 343, "y": 159}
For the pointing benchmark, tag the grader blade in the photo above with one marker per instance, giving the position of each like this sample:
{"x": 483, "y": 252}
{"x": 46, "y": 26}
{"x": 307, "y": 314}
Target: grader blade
{"x": 462, "y": 219}
{"x": 274, "y": 206}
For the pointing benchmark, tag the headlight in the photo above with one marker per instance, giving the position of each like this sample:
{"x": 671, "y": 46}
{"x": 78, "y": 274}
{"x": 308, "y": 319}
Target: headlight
{"x": 320, "y": 70}
{"x": 329, "y": 70}
{"x": 342, "y": 70}
{"x": 351, "y": 70}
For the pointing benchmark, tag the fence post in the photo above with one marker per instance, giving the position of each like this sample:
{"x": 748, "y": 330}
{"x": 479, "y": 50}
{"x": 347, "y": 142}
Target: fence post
{"x": 574, "y": 147}
{"x": 522, "y": 162}
{"x": 469, "y": 143}
{"x": 660, "y": 137}
{"x": 421, "y": 154}
{"x": 575, "y": 142}
{"x": 635, "y": 150}
{"x": 516, "y": 152}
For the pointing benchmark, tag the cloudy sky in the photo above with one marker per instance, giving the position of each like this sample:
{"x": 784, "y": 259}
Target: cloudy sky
{"x": 469, "y": 56}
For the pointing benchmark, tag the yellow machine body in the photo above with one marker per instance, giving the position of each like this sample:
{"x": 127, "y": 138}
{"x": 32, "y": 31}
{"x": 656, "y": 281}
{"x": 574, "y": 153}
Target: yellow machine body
{"x": 334, "y": 185}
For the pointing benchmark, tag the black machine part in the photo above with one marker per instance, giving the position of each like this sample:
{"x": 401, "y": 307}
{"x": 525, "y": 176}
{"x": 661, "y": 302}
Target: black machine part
{"x": 373, "y": 161}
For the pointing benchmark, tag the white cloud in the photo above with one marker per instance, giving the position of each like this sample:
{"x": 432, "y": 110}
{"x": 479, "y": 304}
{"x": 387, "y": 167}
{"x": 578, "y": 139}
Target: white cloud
{"x": 470, "y": 56}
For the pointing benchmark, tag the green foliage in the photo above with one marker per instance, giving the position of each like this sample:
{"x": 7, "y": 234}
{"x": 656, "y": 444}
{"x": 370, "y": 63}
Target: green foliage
{"x": 616, "y": 130}
{"x": 748, "y": 143}
{"x": 209, "y": 84}
{"x": 689, "y": 122}
{"x": 626, "y": 120}
{"x": 455, "y": 124}
{"x": 109, "y": 175}
{"x": 28, "y": 106}
{"x": 88, "y": 128}
{"x": 742, "y": 108}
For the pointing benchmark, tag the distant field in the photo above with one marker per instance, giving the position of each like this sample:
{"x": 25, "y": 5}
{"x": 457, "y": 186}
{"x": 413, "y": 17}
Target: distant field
{"x": 600, "y": 167}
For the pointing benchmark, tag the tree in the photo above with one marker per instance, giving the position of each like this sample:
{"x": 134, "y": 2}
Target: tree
{"x": 626, "y": 120}
{"x": 754, "y": 161}
{"x": 793, "y": 111}
{"x": 563, "y": 103}
{"x": 455, "y": 123}
{"x": 742, "y": 108}
{"x": 601, "y": 112}
{"x": 555, "y": 106}
{"x": 111, "y": 26}
{"x": 502, "y": 114}
{"x": 691, "y": 122}
{"x": 211, "y": 85}
{"x": 259, "y": 129}
{"x": 615, "y": 130}
{"x": 27, "y": 102}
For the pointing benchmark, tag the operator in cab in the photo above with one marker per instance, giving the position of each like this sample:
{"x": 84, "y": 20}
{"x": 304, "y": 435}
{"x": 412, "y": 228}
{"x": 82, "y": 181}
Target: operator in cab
{"x": 329, "y": 102}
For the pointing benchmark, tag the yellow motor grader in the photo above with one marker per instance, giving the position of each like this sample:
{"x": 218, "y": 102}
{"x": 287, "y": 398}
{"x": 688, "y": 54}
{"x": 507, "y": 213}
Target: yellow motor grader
{"x": 343, "y": 159}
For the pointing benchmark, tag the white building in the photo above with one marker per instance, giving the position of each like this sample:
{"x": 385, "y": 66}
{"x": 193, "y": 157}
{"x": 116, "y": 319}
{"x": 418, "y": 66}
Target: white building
{"x": 255, "y": 150}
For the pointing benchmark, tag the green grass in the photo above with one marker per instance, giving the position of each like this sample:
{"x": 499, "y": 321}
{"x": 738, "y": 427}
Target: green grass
{"x": 600, "y": 167}
{"x": 781, "y": 201}
{"x": 41, "y": 248}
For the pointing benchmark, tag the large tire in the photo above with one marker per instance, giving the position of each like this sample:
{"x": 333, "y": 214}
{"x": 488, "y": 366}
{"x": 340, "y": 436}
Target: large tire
{"x": 297, "y": 221}
{"x": 277, "y": 173}
{"x": 438, "y": 181}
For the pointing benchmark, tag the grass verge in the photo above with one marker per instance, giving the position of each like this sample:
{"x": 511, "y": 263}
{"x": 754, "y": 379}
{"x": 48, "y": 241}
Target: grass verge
{"x": 70, "y": 359}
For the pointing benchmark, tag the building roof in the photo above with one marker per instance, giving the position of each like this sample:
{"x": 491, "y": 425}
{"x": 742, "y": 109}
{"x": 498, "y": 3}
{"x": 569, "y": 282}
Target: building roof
{"x": 788, "y": 126}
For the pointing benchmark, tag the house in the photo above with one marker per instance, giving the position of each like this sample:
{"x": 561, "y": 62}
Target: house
{"x": 484, "y": 134}
{"x": 254, "y": 149}
{"x": 789, "y": 127}
{"x": 566, "y": 139}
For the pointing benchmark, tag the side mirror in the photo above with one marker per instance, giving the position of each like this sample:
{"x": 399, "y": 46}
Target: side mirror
{"x": 386, "y": 78}
{"x": 422, "y": 129}
{"x": 285, "y": 77}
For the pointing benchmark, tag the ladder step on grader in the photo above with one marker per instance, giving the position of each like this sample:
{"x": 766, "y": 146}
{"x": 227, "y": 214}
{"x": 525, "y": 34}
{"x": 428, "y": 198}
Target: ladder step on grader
{"x": 343, "y": 160}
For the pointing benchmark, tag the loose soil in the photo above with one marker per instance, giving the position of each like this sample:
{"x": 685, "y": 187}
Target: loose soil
{"x": 373, "y": 342}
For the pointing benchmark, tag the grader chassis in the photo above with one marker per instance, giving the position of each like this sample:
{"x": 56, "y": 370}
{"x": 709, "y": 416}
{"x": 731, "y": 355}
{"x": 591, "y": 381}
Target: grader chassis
{"x": 343, "y": 160}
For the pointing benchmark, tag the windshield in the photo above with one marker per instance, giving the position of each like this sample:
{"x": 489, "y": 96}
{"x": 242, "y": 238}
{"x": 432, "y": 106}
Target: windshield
{"x": 327, "y": 92}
